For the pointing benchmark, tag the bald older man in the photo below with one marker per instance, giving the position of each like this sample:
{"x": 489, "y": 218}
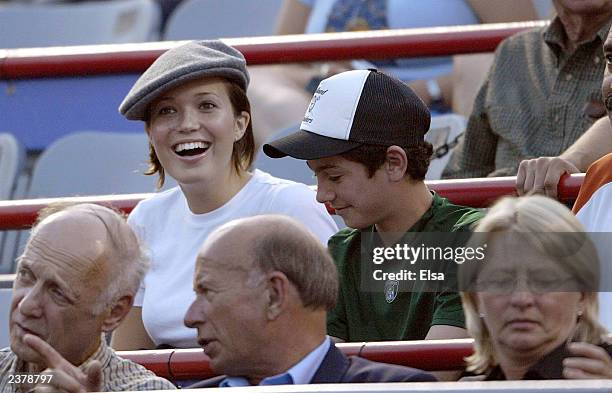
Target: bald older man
{"x": 76, "y": 280}
{"x": 263, "y": 287}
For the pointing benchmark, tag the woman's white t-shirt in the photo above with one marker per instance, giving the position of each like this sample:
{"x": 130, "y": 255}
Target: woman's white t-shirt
{"x": 173, "y": 235}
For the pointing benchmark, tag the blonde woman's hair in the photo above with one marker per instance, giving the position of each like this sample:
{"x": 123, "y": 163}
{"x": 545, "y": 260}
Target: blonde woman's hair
{"x": 573, "y": 252}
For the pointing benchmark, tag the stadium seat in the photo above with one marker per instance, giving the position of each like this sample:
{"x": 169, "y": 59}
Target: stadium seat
{"x": 83, "y": 23}
{"x": 208, "y": 19}
{"x": 5, "y": 302}
{"x": 12, "y": 160}
{"x": 286, "y": 167}
{"x": 544, "y": 8}
{"x": 289, "y": 168}
{"x": 91, "y": 163}
{"x": 444, "y": 130}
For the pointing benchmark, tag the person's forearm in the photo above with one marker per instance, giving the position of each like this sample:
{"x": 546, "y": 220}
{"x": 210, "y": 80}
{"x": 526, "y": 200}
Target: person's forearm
{"x": 592, "y": 145}
{"x": 292, "y": 17}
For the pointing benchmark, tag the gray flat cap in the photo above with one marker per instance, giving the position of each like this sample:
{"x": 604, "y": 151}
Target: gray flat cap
{"x": 178, "y": 65}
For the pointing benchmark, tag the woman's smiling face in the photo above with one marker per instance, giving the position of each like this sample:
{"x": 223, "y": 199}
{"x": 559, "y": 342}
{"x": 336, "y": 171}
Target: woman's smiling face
{"x": 193, "y": 128}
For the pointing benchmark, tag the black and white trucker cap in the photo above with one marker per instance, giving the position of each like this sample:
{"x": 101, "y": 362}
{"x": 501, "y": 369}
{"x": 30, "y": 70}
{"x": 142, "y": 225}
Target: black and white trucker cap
{"x": 355, "y": 108}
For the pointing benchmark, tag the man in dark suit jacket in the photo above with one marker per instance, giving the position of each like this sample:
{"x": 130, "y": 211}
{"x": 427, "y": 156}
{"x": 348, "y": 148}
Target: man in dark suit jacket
{"x": 263, "y": 287}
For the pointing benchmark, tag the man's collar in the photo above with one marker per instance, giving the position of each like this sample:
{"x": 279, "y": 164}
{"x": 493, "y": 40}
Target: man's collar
{"x": 333, "y": 368}
{"x": 603, "y": 32}
{"x": 102, "y": 354}
{"x": 300, "y": 373}
{"x": 554, "y": 34}
{"x": 303, "y": 371}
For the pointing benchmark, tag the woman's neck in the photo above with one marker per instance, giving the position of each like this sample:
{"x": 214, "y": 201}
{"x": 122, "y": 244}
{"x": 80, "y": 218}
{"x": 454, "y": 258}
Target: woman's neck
{"x": 204, "y": 198}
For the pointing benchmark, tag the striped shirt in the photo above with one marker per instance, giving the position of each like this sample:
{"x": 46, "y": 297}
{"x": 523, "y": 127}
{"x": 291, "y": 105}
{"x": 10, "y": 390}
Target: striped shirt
{"x": 592, "y": 209}
{"x": 536, "y": 101}
{"x": 117, "y": 374}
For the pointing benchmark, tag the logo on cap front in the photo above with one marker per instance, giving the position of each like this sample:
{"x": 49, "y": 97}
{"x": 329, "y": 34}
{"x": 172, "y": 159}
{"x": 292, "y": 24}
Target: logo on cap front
{"x": 315, "y": 98}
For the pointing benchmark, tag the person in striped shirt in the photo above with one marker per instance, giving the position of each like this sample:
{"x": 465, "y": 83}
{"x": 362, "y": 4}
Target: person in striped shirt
{"x": 76, "y": 280}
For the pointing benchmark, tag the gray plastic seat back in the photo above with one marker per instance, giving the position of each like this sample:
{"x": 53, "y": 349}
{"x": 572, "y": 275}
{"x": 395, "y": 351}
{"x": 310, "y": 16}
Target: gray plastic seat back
{"x": 289, "y": 168}
{"x": 5, "y": 303}
{"x": 83, "y": 23}
{"x": 286, "y": 167}
{"x": 209, "y": 19}
{"x": 92, "y": 163}
{"x": 12, "y": 158}
{"x": 12, "y": 161}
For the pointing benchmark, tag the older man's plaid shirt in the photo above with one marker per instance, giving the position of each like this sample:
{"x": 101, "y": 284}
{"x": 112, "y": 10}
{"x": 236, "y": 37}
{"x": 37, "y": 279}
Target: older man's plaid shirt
{"x": 117, "y": 374}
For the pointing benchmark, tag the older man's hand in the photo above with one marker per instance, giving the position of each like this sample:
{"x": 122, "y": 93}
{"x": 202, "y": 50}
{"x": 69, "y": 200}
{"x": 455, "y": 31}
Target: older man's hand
{"x": 590, "y": 362}
{"x": 541, "y": 175}
{"x": 65, "y": 376}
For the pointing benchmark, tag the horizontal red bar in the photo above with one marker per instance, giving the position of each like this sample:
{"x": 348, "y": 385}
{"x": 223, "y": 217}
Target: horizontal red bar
{"x": 427, "y": 355}
{"x": 430, "y": 355}
{"x": 380, "y": 44}
{"x": 155, "y": 360}
{"x": 21, "y": 214}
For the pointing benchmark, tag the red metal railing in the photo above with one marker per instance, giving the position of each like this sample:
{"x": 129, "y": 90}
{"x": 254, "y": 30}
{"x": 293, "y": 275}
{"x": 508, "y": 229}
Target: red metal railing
{"x": 431, "y": 355}
{"x": 126, "y": 58}
{"x": 20, "y": 214}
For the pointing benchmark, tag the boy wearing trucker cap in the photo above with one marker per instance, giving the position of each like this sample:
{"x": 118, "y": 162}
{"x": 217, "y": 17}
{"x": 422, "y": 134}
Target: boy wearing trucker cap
{"x": 363, "y": 136}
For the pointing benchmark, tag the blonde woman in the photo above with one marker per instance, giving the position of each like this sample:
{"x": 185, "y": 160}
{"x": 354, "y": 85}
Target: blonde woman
{"x": 531, "y": 305}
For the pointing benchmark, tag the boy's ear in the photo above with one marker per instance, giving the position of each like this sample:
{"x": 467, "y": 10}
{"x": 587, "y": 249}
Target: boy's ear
{"x": 396, "y": 164}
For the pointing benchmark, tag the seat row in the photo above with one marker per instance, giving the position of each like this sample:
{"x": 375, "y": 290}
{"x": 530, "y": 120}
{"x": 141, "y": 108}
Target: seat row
{"x": 124, "y": 21}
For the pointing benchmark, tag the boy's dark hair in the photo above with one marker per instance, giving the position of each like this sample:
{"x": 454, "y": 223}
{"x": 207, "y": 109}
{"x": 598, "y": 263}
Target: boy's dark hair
{"x": 374, "y": 156}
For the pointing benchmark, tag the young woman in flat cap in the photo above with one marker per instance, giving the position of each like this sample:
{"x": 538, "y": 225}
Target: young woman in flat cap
{"x": 197, "y": 116}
